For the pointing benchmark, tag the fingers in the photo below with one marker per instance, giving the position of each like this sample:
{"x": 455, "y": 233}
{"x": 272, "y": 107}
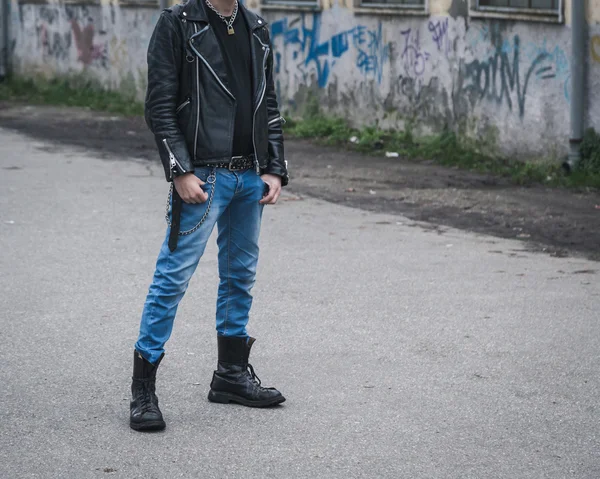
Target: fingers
{"x": 197, "y": 198}
{"x": 194, "y": 194}
{"x": 272, "y": 196}
{"x": 198, "y": 195}
{"x": 189, "y": 187}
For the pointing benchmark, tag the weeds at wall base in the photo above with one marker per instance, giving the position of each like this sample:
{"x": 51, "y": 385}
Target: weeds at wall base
{"x": 76, "y": 91}
{"x": 448, "y": 149}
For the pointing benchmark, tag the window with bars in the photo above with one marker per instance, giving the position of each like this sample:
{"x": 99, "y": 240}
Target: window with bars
{"x": 292, "y": 3}
{"x": 409, "y": 4}
{"x": 526, "y": 10}
{"x": 546, "y": 5}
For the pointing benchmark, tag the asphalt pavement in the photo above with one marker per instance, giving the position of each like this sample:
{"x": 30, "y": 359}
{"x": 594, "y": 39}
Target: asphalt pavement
{"x": 404, "y": 350}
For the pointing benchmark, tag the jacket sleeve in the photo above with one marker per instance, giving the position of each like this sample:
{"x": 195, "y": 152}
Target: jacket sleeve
{"x": 277, "y": 164}
{"x": 165, "y": 53}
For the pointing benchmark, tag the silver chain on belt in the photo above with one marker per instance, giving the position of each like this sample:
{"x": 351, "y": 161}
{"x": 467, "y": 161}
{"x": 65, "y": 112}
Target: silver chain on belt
{"x": 211, "y": 180}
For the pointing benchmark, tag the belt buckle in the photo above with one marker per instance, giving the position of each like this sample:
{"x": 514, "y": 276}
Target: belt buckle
{"x": 234, "y": 158}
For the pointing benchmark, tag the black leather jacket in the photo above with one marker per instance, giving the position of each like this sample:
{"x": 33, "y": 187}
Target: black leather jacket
{"x": 189, "y": 106}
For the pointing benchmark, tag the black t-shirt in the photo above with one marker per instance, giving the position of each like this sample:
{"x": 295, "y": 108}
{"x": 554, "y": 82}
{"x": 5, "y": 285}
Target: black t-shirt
{"x": 238, "y": 60}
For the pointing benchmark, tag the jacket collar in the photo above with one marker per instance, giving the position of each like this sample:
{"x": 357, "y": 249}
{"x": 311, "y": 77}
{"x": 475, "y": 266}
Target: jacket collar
{"x": 195, "y": 11}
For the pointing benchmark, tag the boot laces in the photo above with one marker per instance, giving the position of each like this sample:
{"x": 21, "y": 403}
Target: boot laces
{"x": 255, "y": 379}
{"x": 146, "y": 396}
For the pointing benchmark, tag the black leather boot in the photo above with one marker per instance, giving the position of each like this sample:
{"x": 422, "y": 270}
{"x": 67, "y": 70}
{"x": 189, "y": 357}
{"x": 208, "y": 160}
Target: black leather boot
{"x": 144, "y": 412}
{"x": 235, "y": 380}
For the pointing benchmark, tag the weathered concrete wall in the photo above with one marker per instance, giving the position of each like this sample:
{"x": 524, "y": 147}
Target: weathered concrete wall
{"x": 593, "y": 66}
{"x": 507, "y": 82}
{"x": 105, "y": 42}
{"x": 494, "y": 78}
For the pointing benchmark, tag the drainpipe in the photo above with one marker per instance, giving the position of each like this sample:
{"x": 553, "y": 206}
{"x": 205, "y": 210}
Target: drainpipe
{"x": 163, "y": 4}
{"x": 4, "y": 39}
{"x": 578, "y": 53}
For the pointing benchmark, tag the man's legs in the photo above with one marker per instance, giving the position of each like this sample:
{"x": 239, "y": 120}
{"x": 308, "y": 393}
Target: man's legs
{"x": 239, "y": 229}
{"x": 174, "y": 270}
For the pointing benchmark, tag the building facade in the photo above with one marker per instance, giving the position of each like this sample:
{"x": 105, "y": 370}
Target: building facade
{"x": 498, "y": 70}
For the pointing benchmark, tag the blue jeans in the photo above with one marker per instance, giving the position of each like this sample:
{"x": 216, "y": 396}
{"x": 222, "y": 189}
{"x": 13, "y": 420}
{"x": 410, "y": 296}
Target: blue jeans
{"x": 233, "y": 205}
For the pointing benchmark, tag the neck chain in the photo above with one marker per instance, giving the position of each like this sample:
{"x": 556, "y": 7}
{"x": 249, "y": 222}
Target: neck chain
{"x": 229, "y": 23}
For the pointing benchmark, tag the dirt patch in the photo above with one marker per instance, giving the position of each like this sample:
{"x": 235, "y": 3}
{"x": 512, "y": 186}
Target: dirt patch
{"x": 554, "y": 220}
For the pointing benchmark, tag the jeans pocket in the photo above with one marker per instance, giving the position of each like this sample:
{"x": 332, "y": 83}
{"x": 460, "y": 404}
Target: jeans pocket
{"x": 204, "y": 172}
{"x": 192, "y": 216}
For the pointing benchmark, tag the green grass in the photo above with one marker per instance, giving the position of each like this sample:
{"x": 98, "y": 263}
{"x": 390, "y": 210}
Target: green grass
{"x": 69, "y": 92}
{"x": 445, "y": 148}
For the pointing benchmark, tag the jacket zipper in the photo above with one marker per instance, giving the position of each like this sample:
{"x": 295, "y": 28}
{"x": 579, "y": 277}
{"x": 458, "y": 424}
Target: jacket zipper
{"x": 197, "y": 95}
{"x": 262, "y": 94}
{"x": 172, "y": 160}
{"x": 275, "y": 120}
{"x": 204, "y": 60}
{"x": 183, "y": 105}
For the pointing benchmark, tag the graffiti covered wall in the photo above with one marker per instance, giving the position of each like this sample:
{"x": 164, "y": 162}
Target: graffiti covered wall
{"x": 593, "y": 65}
{"x": 103, "y": 41}
{"x": 491, "y": 78}
{"x": 508, "y": 81}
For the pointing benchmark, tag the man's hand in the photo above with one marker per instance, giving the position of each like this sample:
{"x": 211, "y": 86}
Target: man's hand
{"x": 274, "y": 183}
{"x": 189, "y": 187}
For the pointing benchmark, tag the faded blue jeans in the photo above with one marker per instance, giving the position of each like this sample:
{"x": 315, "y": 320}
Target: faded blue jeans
{"x": 233, "y": 205}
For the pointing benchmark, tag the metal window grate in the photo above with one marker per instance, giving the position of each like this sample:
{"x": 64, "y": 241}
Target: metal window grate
{"x": 292, "y": 3}
{"x": 418, "y": 4}
{"x": 520, "y": 4}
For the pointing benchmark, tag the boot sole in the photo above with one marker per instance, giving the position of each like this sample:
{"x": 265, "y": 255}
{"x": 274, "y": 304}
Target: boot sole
{"x": 226, "y": 398}
{"x": 148, "y": 426}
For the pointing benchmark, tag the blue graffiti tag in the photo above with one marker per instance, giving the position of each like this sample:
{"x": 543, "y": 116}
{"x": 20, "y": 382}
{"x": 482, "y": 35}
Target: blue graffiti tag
{"x": 372, "y": 57}
{"x": 307, "y": 40}
{"x": 304, "y": 34}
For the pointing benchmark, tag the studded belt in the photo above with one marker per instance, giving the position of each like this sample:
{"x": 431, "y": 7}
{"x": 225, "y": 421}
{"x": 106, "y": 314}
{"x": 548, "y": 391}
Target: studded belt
{"x": 237, "y": 163}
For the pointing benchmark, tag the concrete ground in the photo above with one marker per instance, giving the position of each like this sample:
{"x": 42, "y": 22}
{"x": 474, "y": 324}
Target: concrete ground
{"x": 558, "y": 221}
{"x": 405, "y": 351}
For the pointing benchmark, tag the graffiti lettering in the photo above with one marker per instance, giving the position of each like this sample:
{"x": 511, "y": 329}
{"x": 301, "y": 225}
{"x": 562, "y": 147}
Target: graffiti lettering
{"x": 439, "y": 34}
{"x": 413, "y": 56}
{"x": 372, "y": 54}
{"x": 556, "y": 58}
{"x": 302, "y": 37}
{"x": 492, "y": 67}
{"x": 498, "y": 78}
{"x": 305, "y": 41}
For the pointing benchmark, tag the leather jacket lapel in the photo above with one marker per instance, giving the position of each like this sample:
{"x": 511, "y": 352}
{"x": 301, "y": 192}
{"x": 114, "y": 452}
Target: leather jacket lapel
{"x": 256, "y": 78}
{"x": 258, "y": 52}
{"x": 205, "y": 45}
